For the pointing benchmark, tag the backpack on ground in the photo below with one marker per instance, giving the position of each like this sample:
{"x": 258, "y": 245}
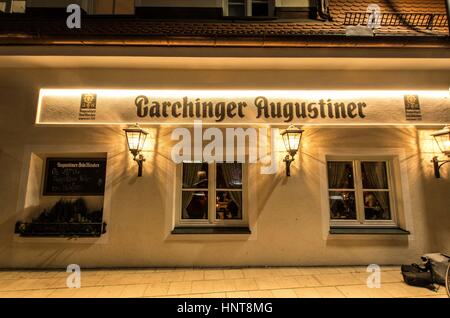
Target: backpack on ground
{"x": 415, "y": 275}
{"x": 433, "y": 271}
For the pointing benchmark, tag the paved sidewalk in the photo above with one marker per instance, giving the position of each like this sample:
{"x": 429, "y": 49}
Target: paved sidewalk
{"x": 303, "y": 282}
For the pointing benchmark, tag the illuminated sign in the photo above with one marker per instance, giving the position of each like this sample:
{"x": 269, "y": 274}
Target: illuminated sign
{"x": 99, "y": 106}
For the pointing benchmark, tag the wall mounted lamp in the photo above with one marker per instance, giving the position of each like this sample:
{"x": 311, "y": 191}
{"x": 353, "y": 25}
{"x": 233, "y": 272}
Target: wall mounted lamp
{"x": 291, "y": 138}
{"x": 136, "y": 139}
{"x": 442, "y": 138}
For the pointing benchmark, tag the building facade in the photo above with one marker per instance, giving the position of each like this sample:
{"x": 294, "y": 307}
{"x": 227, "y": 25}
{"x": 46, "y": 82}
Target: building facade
{"x": 361, "y": 190}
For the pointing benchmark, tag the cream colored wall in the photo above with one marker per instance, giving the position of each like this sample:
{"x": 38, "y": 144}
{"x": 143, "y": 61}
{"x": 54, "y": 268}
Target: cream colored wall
{"x": 108, "y": 6}
{"x": 294, "y": 3}
{"x": 437, "y": 191}
{"x": 285, "y": 217}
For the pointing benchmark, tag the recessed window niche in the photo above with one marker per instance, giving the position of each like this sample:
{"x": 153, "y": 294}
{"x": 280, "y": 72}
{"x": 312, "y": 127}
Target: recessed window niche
{"x": 64, "y": 196}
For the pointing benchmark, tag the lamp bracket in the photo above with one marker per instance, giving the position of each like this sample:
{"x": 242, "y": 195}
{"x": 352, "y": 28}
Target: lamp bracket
{"x": 139, "y": 160}
{"x": 139, "y": 157}
{"x": 288, "y": 159}
{"x": 437, "y": 164}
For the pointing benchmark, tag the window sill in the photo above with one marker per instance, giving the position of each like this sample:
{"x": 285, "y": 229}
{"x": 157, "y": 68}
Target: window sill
{"x": 211, "y": 230}
{"x": 369, "y": 230}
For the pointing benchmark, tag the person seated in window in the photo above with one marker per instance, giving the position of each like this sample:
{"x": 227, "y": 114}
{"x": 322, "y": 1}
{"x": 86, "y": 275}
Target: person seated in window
{"x": 337, "y": 209}
{"x": 343, "y": 207}
{"x": 226, "y": 207}
{"x": 372, "y": 206}
{"x": 231, "y": 207}
{"x": 198, "y": 207}
{"x": 202, "y": 180}
{"x": 232, "y": 210}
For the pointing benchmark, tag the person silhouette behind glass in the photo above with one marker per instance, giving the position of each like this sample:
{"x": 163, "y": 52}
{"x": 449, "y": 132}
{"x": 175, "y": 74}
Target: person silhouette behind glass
{"x": 372, "y": 207}
{"x": 202, "y": 180}
{"x": 198, "y": 207}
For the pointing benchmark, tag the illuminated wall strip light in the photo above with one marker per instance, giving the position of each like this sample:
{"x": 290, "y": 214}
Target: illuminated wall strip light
{"x": 246, "y": 93}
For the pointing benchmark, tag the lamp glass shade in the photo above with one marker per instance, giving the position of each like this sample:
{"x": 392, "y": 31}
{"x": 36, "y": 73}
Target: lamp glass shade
{"x": 291, "y": 138}
{"x": 442, "y": 138}
{"x": 135, "y": 138}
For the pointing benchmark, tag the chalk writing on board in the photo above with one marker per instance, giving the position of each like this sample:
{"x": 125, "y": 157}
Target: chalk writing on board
{"x": 75, "y": 176}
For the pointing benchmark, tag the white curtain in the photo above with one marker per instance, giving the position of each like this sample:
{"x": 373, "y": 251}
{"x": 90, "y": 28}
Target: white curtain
{"x": 190, "y": 177}
{"x": 232, "y": 172}
{"x": 375, "y": 174}
{"x": 337, "y": 173}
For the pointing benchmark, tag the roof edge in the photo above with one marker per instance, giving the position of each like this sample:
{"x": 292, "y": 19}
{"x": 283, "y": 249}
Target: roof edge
{"x": 200, "y": 41}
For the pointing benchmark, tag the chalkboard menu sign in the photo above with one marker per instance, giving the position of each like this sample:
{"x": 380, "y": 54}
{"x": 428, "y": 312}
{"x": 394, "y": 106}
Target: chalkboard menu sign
{"x": 75, "y": 176}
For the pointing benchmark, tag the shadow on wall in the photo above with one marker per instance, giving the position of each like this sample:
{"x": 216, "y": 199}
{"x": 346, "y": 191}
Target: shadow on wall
{"x": 10, "y": 176}
{"x": 25, "y": 255}
{"x": 437, "y": 194}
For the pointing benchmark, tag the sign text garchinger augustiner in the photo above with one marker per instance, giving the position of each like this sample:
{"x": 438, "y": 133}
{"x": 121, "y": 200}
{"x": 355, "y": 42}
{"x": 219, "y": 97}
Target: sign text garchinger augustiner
{"x": 287, "y": 111}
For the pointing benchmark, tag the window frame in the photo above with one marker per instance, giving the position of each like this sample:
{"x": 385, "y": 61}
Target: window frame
{"x": 359, "y": 192}
{"x": 248, "y": 4}
{"x": 211, "y": 221}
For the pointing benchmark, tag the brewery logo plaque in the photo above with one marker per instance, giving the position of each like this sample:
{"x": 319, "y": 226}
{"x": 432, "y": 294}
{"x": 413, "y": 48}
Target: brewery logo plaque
{"x": 412, "y": 107}
{"x": 88, "y": 107}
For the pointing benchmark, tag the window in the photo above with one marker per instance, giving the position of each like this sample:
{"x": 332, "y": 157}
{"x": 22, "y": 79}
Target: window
{"x": 249, "y": 8}
{"x": 237, "y": 8}
{"x": 360, "y": 192}
{"x": 260, "y": 8}
{"x": 212, "y": 194}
